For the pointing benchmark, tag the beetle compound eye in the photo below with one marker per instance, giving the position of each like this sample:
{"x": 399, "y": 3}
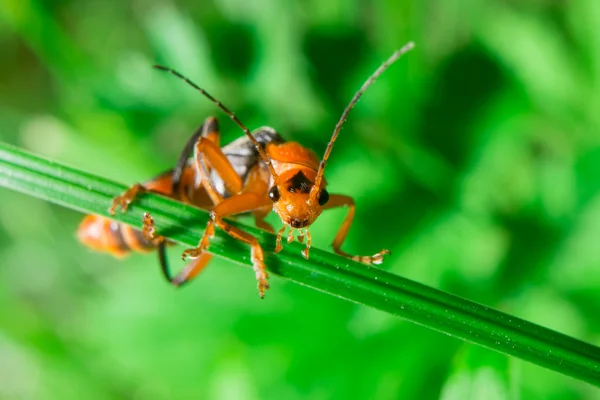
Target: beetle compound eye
{"x": 274, "y": 194}
{"x": 323, "y": 197}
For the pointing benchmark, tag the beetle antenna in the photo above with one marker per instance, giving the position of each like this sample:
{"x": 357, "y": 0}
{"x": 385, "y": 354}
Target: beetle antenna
{"x": 338, "y": 127}
{"x": 231, "y": 115}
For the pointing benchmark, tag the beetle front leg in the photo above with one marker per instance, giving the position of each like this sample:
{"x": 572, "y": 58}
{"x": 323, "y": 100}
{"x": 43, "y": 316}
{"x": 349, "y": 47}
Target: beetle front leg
{"x": 238, "y": 204}
{"x": 338, "y": 200}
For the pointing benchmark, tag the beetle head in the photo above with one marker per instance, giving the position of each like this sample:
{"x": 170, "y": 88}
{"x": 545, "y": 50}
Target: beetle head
{"x": 293, "y": 202}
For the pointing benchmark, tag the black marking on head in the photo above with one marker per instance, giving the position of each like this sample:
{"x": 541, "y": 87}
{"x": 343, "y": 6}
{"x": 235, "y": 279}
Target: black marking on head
{"x": 299, "y": 184}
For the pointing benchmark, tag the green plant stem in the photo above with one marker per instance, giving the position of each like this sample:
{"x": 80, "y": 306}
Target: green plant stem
{"x": 324, "y": 271}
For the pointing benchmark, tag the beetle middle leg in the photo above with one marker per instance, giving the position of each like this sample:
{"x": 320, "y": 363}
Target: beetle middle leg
{"x": 188, "y": 272}
{"x": 208, "y": 131}
{"x": 338, "y": 200}
{"x": 170, "y": 184}
{"x": 208, "y": 155}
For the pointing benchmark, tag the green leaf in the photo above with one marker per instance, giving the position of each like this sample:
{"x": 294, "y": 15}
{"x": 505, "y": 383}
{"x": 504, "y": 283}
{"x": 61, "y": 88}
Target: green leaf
{"x": 324, "y": 271}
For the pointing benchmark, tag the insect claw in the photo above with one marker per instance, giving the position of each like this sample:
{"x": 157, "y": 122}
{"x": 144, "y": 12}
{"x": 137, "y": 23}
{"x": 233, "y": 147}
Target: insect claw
{"x": 262, "y": 287}
{"x": 191, "y": 253}
{"x": 263, "y": 283}
{"x": 377, "y": 259}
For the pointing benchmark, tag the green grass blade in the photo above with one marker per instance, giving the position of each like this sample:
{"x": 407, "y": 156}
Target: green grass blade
{"x": 324, "y": 271}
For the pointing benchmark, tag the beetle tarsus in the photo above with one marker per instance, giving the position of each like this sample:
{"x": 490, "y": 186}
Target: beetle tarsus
{"x": 126, "y": 198}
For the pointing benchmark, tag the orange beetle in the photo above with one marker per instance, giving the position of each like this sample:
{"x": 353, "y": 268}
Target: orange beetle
{"x": 254, "y": 174}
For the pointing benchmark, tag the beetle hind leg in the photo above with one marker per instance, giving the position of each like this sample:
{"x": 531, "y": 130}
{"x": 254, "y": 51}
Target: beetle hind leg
{"x": 188, "y": 272}
{"x": 191, "y": 270}
{"x": 149, "y": 232}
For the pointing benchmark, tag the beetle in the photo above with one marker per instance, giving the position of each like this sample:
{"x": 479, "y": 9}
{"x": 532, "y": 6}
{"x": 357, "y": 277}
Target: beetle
{"x": 256, "y": 173}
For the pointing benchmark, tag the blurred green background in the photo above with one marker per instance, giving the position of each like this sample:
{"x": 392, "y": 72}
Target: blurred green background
{"x": 475, "y": 159}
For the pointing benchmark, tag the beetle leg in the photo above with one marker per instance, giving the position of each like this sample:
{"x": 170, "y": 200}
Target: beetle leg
{"x": 187, "y": 273}
{"x": 338, "y": 200}
{"x": 191, "y": 270}
{"x": 241, "y": 203}
{"x": 259, "y": 219}
{"x": 208, "y": 155}
{"x": 126, "y": 198}
{"x": 208, "y": 130}
{"x": 149, "y": 232}
{"x": 196, "y": 252}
